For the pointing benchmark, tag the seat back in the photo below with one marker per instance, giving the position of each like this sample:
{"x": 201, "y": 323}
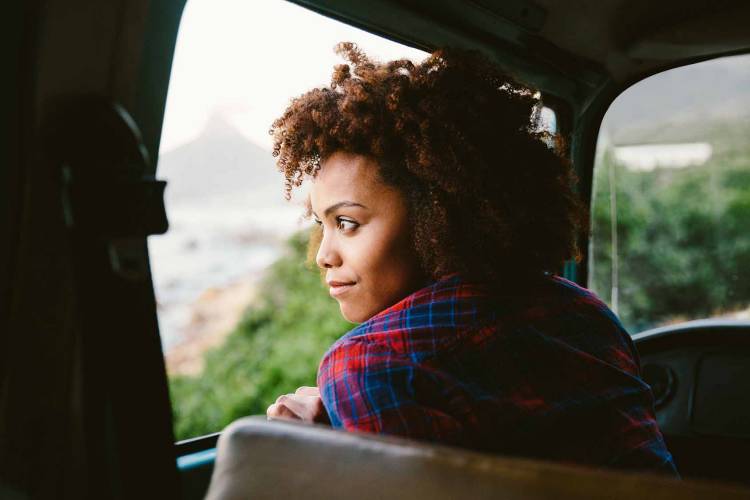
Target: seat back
{"x": 260, "y": 459}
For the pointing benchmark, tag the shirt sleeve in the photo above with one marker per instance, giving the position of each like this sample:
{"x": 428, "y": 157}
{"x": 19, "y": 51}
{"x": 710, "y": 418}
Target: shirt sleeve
{"x": 366, "y": 387}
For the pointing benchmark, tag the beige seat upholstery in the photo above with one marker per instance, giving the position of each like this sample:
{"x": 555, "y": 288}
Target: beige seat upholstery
{"x": 258, "y": 459}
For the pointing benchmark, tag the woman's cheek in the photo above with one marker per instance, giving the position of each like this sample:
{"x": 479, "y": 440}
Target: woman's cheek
{"x": 359, "y": 249}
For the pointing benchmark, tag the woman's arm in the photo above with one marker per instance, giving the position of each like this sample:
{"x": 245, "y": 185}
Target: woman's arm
{"x": 366, "y": 387}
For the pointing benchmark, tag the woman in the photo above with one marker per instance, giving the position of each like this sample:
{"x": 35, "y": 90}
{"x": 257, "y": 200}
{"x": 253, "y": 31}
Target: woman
{"x": 443, "y": 214}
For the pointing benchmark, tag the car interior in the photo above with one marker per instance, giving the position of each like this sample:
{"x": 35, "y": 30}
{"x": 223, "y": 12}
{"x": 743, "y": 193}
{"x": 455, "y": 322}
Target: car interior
{"x": 86, "y": 410}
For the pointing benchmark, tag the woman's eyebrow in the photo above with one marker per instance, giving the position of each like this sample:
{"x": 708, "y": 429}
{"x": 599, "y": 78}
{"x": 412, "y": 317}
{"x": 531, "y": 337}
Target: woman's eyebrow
{"x": 341, "y": 204}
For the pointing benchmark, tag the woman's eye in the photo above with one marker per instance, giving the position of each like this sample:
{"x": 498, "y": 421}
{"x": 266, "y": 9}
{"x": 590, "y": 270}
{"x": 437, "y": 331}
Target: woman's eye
{"x": 346, "y": 224}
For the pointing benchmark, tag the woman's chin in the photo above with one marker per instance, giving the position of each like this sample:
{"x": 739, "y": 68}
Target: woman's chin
{"x": 353, "y": 315}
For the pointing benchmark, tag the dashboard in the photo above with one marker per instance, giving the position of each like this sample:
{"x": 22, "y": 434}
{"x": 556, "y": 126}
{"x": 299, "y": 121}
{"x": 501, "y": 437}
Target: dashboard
{"x": 699, "y": 372}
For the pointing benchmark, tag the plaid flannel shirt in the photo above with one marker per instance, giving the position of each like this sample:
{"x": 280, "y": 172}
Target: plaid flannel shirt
{"x": 547, "y": 372}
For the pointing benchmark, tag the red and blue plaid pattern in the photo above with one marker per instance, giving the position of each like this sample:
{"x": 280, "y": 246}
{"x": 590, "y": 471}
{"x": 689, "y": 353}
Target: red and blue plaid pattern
{"x": 546, "y": 372}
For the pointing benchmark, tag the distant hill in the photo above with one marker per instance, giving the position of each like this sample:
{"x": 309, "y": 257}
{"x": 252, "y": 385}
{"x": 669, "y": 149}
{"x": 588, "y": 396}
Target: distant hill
{"x": 220, "y": 162}
{"x": 692, "y": 103}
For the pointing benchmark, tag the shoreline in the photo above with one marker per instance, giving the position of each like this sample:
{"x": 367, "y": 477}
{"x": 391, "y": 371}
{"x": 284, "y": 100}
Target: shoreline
{"x": 213, "y": 316}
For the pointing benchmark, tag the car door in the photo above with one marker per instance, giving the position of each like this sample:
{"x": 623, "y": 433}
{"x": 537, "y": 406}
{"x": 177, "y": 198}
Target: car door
{"x": 79, "y": 418}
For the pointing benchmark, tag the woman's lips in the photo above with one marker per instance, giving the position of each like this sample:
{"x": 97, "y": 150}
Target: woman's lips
{"x": 337, "y": 288}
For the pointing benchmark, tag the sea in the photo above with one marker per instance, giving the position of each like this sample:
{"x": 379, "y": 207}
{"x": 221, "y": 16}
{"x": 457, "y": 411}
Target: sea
{"x": 212, "y": 245}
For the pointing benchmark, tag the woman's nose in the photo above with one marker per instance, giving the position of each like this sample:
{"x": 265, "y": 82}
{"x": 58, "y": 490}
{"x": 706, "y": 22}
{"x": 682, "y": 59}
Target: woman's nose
{"x": 328, "y": 255}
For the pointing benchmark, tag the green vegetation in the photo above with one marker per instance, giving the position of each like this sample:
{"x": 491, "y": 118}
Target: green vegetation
{"x": 275, "y": 349}
{"x": 683, "y": 239}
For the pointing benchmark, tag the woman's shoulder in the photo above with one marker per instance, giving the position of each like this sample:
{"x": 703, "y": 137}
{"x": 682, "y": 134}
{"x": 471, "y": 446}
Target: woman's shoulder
{"x": 581, "y": 300}
{"x": 436, "y": 296}
{"x": 418, "y": 326}
{"x": 424, "y": 321}
{"x": 454, "y": 309}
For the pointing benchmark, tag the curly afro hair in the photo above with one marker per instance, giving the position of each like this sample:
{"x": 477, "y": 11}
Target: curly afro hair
{"x": 487, "y": 195}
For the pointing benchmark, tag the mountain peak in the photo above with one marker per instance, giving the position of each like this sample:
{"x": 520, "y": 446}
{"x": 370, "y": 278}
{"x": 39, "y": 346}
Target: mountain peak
{"x": 218, "y": 125}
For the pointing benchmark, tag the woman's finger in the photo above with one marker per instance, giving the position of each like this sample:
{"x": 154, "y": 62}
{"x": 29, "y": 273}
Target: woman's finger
{"x": 304, "y": 405}
{"x": 280, "y": 411}
{"x": 280, "y": 399}
{"x": 307, "y": 391}
{"x": 301, "y": 406}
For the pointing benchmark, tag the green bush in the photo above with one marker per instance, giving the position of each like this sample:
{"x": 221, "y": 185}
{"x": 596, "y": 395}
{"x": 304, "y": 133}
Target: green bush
{"x": 683, "y": 239}
{"x": 275, "y": 349}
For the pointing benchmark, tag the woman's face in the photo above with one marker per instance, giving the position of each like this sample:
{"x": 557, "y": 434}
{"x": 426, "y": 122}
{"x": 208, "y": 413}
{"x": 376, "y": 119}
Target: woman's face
{"x": 366, "y": 249}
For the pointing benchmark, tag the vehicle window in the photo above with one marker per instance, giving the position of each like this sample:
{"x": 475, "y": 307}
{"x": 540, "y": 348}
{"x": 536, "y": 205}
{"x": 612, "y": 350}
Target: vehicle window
{"x": 671, "y": 201}
{"x": 242, "y": 319}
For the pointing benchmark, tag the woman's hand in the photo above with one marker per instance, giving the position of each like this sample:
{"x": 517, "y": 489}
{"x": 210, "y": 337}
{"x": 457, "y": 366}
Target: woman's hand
{"x": 305, "y": 404}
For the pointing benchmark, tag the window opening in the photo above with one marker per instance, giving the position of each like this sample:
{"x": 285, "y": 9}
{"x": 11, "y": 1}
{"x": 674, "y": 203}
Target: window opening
{"x": 670, "y": 237}
{"x": 242, "y": 320}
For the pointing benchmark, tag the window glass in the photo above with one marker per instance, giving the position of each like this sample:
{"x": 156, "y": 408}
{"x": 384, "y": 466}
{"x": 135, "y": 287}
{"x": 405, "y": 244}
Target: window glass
{"x": 242, "y": 319}
{"x": 671, "y": 203}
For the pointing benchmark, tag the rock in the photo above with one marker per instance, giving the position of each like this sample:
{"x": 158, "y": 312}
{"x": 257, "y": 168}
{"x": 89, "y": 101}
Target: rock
{"x": 214, "y": 315}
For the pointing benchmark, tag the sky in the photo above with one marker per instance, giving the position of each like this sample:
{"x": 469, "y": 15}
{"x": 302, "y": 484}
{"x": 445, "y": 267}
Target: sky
{"x": 246, "y": 59}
